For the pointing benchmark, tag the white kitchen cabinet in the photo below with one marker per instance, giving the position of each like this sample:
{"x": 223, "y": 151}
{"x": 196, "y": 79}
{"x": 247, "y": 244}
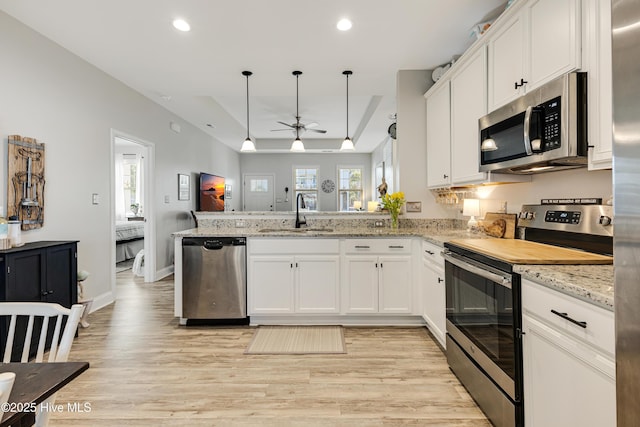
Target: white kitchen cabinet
{"x": 271, "y": 287}
{"x": 540, "y": 41}
{"x": 377, "y": 276}
{"x": 569, "y": 371}
{"x": 453, "y": 144}
{"x": 433, "y": 291}
{"x": 287, "y": 276}
{"x": 317, "y": 282}
{"x": 439, "y": 136}
{"x": 506, "y": 61}
{"x": 597, "y": 64}
{"x": 468, "y": 104}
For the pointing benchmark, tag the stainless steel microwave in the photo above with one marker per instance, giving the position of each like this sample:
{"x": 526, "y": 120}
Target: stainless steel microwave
{"x": 544, "y": 130}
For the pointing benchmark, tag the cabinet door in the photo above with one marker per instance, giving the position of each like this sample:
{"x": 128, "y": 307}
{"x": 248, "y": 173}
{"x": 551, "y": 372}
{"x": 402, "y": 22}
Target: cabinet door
{"x": 506, "y": 62}
{"x": 433, "y": 301}
{"x": 566, "y": 384}
{"x": 395, "y": 284}
{"x": 439, "y": 137}
{"x": 271, "y": 284}
{"x": 468, "y": 104}
{"x": 25, "y": 276}
{"x": 361, "y": 283}
{"x": 554, "y": 39}
{"x": 597, "y": 63}
{"x": 317, "y": 284}
{"x": 61, "y": 275}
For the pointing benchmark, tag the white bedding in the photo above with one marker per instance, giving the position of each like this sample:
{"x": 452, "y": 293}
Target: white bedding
{"x": 128, "y": 230}
{"x": 129, "y": 239}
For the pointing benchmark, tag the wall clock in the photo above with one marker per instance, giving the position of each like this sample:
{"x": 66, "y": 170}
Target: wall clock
{"x": 328, "y": 186}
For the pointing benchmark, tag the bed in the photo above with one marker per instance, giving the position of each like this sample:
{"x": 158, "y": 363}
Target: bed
{"x": 129, "y": 239}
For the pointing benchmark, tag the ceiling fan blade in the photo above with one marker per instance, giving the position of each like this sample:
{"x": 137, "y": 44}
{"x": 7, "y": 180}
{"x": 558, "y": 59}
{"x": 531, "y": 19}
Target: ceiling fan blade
{"x": 278, "y": 130}
{"x": 317, "y": 130}
{"x": 286, "y": 124}
{"x": 311, "y": 125}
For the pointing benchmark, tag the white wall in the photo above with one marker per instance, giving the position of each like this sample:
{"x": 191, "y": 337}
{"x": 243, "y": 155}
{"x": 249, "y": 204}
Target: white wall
{"x": 49, "y": 94}
{"x": 282, "y": 166}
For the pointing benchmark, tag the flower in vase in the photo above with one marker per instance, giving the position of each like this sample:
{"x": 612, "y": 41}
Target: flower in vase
{"x": 393, "y": 203}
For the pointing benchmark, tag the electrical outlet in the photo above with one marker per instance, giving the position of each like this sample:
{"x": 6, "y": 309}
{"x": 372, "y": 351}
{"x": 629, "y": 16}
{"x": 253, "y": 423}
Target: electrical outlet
{"x": 379, "y": 223}
{"x": 240, "y": 223}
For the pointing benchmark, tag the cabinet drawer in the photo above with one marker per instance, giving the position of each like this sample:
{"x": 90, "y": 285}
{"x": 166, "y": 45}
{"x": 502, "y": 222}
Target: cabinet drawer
{"x": 431, "y": 253}
{"x": 378, "y": 246}
{"x": 539, "y": 301}
{"x": 294, "y": 246}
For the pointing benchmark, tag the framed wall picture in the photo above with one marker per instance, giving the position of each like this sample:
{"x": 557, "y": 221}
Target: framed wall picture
{"x": 184, "y": 187}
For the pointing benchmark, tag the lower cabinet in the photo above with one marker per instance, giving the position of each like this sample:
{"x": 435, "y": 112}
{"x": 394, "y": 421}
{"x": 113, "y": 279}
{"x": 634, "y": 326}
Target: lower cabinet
{"x": 377, "y": 276}
{"x": 569, "y": 370}
{"x": 433, "y": 291}
{"x": 38, "y": 272}
{"x": 284, "y": 283}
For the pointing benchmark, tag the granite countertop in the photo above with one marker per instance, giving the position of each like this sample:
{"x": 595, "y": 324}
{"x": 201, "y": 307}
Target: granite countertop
{"x": 591, "y": 283}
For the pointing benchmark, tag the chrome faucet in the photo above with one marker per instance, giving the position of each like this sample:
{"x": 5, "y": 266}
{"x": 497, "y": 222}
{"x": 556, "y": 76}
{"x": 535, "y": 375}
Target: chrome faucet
{"x": 299, "y": 204}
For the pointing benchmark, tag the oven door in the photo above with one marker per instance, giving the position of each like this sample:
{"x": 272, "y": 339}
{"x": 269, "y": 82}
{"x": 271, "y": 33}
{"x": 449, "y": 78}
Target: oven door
{"x": 483, "y": 318}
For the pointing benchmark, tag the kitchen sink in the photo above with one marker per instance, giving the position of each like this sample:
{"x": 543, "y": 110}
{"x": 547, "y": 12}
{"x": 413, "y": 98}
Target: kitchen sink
{"x": 294, "y": 230}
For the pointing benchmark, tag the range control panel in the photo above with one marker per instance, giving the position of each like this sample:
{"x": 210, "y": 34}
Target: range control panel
{"x": 568, "y": 217}
{"x": 588, "y": 219}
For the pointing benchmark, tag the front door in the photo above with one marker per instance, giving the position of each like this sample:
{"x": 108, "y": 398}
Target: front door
{"x": 259, "y": 194}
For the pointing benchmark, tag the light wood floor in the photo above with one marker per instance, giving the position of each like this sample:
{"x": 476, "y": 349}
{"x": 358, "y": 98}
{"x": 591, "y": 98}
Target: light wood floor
{"x": 146, "y": 370}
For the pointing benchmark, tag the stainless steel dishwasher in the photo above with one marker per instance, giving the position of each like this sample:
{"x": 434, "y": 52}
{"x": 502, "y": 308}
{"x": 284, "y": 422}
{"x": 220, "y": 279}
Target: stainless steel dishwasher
{"x": 214, "y": 279}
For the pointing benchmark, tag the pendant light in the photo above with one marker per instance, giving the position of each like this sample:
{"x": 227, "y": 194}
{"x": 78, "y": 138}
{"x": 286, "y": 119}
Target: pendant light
{"x": 347, "y": 144}
{"x": 248, "y": 146}
{"x": 297, "y": 146}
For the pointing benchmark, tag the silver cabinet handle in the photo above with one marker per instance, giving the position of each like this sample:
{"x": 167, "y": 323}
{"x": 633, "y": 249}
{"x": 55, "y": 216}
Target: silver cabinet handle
{"x": 362, "y": 247}
{"x": 396, "y": 247}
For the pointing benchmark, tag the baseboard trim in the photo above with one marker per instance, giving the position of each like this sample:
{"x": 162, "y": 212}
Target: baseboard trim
{"x": 345, "y": 320}
{"x": 101, "y": 301}
{"x": 161, "y": 274}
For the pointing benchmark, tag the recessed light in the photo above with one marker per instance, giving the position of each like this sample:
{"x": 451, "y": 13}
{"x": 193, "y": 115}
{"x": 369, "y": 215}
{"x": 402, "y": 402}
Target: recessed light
{"x": 181, "y": 24}
{"x": 344, "y": 24}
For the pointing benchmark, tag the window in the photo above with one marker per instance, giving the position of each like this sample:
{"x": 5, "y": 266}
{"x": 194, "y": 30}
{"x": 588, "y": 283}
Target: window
{"x": 349, "y": 188}
{"x": 306, "y": 182}
{"x": 259, "y": 185}
{"x": 131, "y": 184}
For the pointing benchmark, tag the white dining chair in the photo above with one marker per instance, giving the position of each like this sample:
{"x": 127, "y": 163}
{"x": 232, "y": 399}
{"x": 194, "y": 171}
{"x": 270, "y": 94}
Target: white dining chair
{"x": 60, "y": 343}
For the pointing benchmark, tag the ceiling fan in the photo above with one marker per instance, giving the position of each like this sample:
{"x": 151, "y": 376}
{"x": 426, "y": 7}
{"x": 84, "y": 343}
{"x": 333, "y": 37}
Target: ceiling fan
{"x": 300, "y": 127}
{"x": 297, "y": 126}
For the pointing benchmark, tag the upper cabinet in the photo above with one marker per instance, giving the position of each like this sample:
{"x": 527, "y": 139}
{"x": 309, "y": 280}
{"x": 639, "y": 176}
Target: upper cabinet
{"x": 597, "y": 64}
{"x": 439, "y": 136}
{"x": 538, "y": 42}
{"x": 468, "y": 104}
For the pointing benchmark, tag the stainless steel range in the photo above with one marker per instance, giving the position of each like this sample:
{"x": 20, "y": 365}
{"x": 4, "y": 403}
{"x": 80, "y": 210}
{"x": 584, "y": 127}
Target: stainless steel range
{"x": 484, "y": 318}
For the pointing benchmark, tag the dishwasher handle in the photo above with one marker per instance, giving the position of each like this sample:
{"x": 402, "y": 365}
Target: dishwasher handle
{"x": 212, "y": 245}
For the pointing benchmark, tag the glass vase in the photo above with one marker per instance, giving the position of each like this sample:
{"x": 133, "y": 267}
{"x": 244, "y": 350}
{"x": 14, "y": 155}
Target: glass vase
{"x": 394, "y": 219}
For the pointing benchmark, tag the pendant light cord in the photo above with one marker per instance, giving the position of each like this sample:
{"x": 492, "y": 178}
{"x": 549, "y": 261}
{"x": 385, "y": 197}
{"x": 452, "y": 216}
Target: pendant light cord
{"x": 347, "y": 73}
{"x": 297, "y": 113}
{"x": 247, "y": 74}
{"x": 247, "y": 106}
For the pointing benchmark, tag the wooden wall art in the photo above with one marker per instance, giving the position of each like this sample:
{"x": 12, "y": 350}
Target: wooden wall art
{"x": 25, "y": 183}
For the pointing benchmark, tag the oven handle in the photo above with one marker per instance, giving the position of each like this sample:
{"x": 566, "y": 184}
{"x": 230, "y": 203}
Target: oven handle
{"x": 501, "y": 279}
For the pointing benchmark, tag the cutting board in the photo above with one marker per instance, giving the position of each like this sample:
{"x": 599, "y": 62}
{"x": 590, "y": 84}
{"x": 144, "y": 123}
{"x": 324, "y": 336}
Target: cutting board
{"x": 516, "y": 251}
{"x": 510, "y": 220}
